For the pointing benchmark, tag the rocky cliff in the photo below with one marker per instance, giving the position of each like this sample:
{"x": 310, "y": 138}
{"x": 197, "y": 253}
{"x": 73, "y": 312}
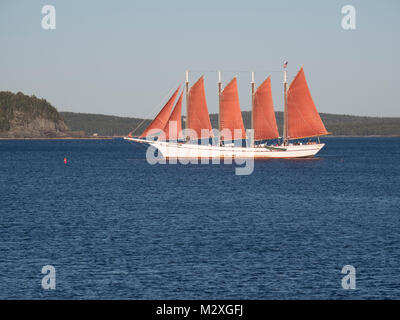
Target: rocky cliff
{"x": 23, "y": 116}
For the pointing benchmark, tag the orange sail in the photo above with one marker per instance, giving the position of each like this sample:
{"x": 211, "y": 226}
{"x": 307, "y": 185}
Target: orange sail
{"x": 174, "y": 122}
{"x": 303, "y": 118}
{"x": 264, "y": 121}
{"x": 197, "y": 111}
{"x": 230, "y": 114}
{"x": 161, "y": 119}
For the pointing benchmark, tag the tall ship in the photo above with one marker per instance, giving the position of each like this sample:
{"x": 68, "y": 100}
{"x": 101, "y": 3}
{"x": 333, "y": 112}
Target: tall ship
{"x": 199, "y": 140}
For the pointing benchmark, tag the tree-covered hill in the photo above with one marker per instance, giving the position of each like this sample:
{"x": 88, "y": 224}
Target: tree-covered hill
{"x": 345, "y": 125}
{"x": 103, "y": 125}
{"x": 28, "y": 116}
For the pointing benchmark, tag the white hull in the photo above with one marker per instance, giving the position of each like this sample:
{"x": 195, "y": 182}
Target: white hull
{"x": 187, "y": 150}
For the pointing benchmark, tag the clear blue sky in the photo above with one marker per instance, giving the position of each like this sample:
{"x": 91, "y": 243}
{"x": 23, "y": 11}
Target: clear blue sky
{"x": 123, "y": 57}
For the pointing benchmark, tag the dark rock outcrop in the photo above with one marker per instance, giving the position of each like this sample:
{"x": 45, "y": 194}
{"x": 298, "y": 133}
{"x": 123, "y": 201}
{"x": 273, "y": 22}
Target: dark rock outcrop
{"x": 23, "y": 116}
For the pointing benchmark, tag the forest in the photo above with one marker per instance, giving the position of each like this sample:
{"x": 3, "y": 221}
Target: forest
{"x": 337, "y": 125}
{"x": 27, "y": 108}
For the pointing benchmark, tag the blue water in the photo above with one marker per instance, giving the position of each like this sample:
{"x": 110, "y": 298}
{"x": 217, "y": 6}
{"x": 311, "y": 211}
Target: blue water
{"x": 114, "y": 226}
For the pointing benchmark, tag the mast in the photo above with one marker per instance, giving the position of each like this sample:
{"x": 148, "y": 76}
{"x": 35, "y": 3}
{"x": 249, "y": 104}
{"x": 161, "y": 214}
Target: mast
{"x": 252, "y": 106}
{"x": 219, "y": 105}
{"x": 187, "y": 99}
{"x": 285, "y": 115}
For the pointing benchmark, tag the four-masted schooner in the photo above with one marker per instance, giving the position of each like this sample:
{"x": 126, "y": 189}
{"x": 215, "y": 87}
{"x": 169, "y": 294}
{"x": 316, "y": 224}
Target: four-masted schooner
{"x": 301, "y": 120}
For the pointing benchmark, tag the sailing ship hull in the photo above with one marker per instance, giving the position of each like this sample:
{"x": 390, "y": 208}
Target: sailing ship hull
{"x": 187, "y": 150}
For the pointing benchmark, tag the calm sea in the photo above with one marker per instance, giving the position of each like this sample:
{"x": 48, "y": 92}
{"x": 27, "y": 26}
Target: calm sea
{"x": 114, "y": 226}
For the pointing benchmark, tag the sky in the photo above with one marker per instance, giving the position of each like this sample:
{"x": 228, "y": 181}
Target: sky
{"x": 124, "y": 57}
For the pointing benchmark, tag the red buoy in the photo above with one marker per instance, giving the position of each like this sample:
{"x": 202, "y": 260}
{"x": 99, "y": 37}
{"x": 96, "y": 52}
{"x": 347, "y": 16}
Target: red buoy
{"x": 65, "y": 160}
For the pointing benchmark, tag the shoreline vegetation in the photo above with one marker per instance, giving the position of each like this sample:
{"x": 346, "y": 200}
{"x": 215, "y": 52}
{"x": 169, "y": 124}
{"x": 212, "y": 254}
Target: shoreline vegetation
{"x": 24, "y": 117}
{"x": 64, "y": 138}
{"x": 121, "y": 137}
{"x": 337, "y": 125}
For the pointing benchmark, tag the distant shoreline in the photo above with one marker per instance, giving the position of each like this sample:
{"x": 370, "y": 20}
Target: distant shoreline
{"x": 371, "y": 136}
{"x": 120, "y": 137}
{"x": 63, "y": 138}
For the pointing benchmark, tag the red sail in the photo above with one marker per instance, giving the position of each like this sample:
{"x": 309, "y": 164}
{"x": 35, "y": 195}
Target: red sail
{"x": 197, "y": 110}
{"x": 161, "y": 119}
{"x": 303, "y": 118}
{"x": 175, "y": 122}
{"x": 264, "y": 121}
{"x": 230, "y": 114}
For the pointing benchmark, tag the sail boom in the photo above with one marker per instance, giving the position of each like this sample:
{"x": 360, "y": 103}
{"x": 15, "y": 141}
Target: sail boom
{"x": 315, "y": 135}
